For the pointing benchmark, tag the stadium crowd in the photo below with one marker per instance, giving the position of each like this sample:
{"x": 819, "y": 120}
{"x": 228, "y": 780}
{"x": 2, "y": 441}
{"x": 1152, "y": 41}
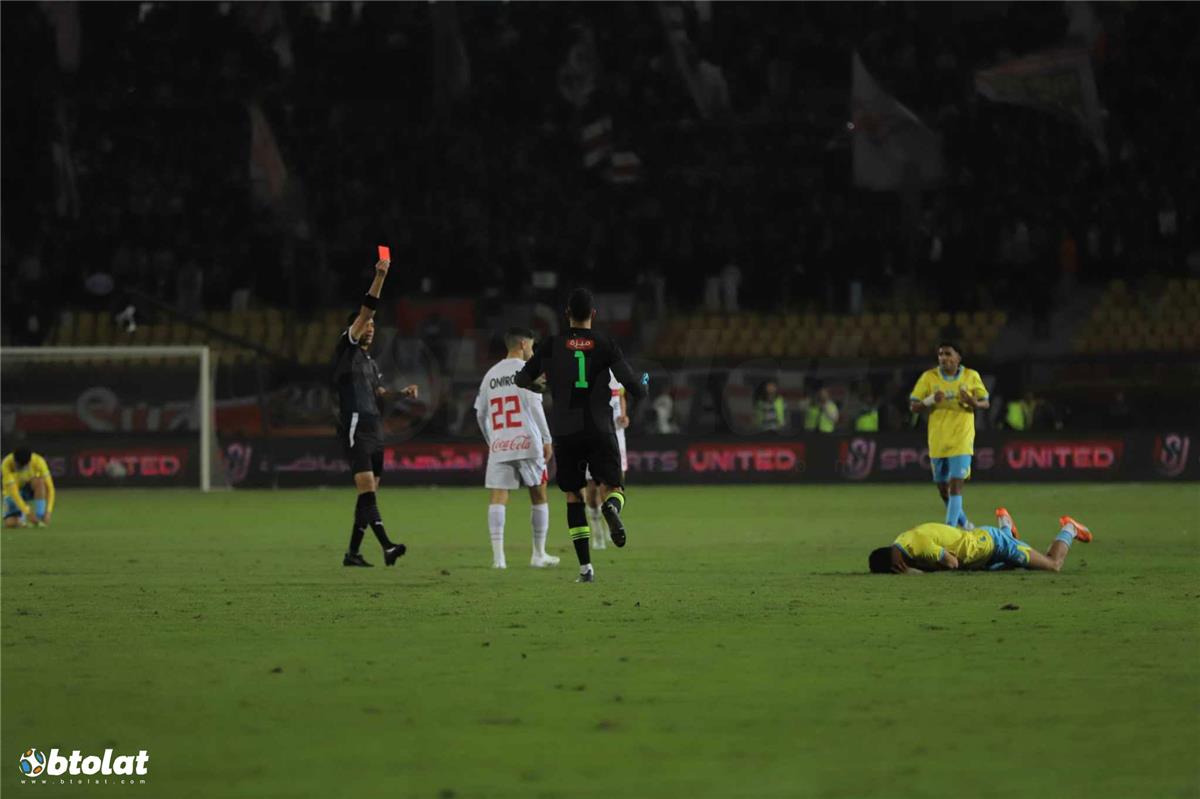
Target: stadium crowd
{"x": 272, "y": 144}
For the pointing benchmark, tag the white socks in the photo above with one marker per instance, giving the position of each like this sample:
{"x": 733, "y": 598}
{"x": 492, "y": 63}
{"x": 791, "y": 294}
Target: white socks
{"x": 496, "y": 529}
{"x": 596, "y": 522}
{"x": 539, "y": 519}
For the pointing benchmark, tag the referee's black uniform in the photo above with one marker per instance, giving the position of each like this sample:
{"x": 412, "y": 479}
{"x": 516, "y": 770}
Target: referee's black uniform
{"x": 355, "y": 379}
{"x": 360, "y": 430}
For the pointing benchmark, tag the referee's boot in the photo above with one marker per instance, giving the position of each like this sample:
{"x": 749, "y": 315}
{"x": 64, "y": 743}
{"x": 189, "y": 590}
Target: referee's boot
{"x": 354, "y": 559}
{"x": 616, "y": 528}
{"x": 392, "y": 554}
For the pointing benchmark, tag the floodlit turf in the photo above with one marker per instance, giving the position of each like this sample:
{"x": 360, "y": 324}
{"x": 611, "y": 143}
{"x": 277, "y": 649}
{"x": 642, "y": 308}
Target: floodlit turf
{"x": 735, "y": 648}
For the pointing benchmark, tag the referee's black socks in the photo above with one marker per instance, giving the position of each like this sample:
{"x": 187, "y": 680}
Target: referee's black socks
{"x": 366, "y": 514}
{"x": 577, "y": 527}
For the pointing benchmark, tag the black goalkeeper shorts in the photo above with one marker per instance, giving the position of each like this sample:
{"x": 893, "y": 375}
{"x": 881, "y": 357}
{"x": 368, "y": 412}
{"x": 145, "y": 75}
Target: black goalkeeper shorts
{"x": 362, "y": 440}
{"x": 575, "y": 455}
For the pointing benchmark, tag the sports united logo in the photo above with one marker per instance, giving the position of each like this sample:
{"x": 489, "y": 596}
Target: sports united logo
{"x": 1171, "y": 454}
{"x": 33, "y": 763}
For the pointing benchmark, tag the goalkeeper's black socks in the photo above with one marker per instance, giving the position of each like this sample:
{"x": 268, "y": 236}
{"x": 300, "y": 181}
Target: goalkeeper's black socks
{"x": 611, "y": 508}
{"x": 577, "y": 528}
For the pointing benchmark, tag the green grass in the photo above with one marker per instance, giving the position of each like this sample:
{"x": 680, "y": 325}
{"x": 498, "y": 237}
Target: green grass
{"x": 735, "y": 648}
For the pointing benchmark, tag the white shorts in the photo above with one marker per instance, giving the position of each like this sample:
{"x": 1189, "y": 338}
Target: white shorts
{"x": 620, "y": 446}
{"x": 521, "y": 473}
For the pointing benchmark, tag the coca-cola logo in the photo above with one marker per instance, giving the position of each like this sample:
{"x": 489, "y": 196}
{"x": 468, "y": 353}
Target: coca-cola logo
{"x": 857, "y": 458}
{"x": 1171, "y": 454}
{"x": 519, "y": 443}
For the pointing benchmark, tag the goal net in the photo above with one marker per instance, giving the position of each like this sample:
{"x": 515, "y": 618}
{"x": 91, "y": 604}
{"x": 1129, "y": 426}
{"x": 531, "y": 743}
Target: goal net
{"x": 113, "y": 416}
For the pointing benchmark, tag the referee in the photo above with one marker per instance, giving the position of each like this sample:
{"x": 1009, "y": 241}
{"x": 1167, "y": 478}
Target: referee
{"x": 358, "y": 385}
{"x": 577, "y": 365}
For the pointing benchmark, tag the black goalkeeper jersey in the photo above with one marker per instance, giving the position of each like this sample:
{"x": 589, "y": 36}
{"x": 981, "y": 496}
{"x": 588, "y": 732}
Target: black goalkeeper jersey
{"x": 576, "y": 364}
{"x": 355, "y": 378}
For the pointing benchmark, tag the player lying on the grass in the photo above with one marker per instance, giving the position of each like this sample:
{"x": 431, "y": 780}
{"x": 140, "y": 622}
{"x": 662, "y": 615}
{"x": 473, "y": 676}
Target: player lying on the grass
{"x": 935, "y": 547}
{"x": 951, "y": 394}
{"x": 576, "y": 365}
{"x": 27, "y": 480}
{"x": 514, "y": 426}
{"x": 358, "y": 385}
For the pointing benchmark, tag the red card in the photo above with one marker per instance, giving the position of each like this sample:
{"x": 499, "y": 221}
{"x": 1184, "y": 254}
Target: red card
{"x": 385, "y": 253}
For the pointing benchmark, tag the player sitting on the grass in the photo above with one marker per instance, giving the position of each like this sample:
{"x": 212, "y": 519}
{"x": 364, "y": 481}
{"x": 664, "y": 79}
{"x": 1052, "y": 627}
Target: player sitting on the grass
{"x": 951, "y": 393}
{"x": 935, "y": 547}
{"x": 576, "y": 364}
{"x": 27, "y": 480}
{"x": 514, "y": 426}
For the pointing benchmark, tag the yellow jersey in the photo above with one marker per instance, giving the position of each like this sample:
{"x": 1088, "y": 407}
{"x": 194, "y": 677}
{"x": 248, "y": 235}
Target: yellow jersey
{"x": 15, "y": 479}
{"x": 925, "y": 544}
{"x": 951, "y": 426}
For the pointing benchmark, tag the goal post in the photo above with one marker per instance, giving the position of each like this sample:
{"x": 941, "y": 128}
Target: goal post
{"x": 97, "y": 400}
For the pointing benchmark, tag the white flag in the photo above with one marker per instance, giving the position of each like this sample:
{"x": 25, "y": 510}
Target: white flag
{"x": 892, "y": 147}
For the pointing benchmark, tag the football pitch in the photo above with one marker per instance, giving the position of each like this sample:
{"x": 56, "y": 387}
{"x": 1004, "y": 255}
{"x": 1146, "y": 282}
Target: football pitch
{"x": 735, "y": 648}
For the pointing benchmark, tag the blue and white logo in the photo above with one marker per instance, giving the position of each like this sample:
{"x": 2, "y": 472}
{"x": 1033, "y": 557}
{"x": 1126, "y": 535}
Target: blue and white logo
{"x": 33, "y": 763}
{"x": 36, "y": 764}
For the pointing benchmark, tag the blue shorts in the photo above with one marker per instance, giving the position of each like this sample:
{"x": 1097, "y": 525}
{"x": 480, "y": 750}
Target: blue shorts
{"x": 1009, "y": 552}
{"x": 956, "y": 467}
{"x": 10, "y": 507}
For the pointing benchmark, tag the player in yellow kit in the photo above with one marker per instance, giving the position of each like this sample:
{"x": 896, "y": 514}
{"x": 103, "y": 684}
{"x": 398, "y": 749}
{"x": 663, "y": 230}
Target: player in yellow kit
{"x": 27, "y": 482}
{"x": 951, "y": 394}
{"x": 934, "y": 547}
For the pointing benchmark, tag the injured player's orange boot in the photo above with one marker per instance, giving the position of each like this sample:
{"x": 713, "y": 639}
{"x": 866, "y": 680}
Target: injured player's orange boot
{"x": 1005, "y": 519}
{"x": 1081, "y": 533}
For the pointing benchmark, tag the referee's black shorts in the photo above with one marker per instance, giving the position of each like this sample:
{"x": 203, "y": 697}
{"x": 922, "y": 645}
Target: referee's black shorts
{"x": 575, "y": 455}
{"x": 361, "y": 435}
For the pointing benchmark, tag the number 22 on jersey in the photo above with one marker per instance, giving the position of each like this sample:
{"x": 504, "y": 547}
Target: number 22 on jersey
{"x": 502, "y": 418}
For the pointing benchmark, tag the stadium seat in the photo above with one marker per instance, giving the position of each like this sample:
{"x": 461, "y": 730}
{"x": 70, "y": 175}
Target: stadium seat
{"x": 85, "y": 329}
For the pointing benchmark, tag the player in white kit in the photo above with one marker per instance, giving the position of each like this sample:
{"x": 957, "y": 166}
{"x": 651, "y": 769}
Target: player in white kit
{"x": 591, "y": 495}
{"x": 514, "y": 426}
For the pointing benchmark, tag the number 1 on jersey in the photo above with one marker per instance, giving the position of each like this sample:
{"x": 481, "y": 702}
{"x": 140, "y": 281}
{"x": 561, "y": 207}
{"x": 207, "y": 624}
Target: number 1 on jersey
{"x": 582, "y": 382}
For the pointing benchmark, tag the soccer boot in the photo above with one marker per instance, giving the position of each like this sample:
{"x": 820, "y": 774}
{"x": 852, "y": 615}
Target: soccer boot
{"x": 1081, "y": 533}
{"x": 1005, "y": 519}
{"x": 586, "y": 577}
{"x": 542, "y": 561}
{"x": 616, "y": 528}
{"x": 392, "y": 554}
{"x": 354, "y": 559}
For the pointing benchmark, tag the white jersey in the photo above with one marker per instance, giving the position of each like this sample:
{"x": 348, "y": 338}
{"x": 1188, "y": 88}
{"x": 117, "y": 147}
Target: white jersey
{"x": 511, "y": 419}
{"x": 616, "y": 390}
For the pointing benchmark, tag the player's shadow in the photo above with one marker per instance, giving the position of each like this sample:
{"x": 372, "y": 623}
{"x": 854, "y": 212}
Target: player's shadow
{"x": 841, "y": 574}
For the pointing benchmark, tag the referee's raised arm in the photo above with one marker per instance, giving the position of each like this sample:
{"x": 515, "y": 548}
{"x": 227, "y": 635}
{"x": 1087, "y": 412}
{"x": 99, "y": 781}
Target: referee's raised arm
{"x": 370, "y": 301}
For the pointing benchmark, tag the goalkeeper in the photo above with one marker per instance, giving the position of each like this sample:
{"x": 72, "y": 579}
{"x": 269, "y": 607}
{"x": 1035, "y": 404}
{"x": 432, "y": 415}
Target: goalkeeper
{"x": 28, "y": 489}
